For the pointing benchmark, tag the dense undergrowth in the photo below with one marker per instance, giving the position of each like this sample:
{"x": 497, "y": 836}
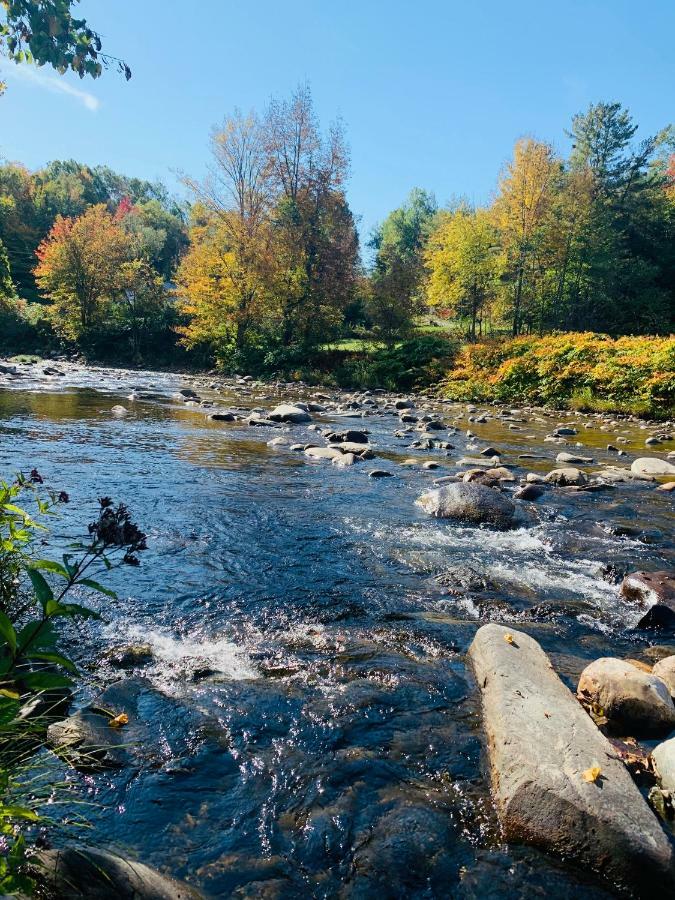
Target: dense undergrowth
{"x": 582, "y": 371}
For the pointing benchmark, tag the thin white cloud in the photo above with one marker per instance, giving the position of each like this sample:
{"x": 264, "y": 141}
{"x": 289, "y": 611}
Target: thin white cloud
{"x": 50, "y": 82}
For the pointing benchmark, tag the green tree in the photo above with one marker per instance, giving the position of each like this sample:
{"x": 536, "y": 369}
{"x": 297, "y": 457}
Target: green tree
{"x": 463, "y": 260}
{"x": 396, "y": 295}
{"x": 625, "y": 264}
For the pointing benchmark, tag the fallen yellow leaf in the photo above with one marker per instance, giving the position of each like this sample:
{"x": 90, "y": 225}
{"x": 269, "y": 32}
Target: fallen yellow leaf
{"x": 591, "y": 775}
{"x": 119, "y": 721}
{"x": 508, "y": 638}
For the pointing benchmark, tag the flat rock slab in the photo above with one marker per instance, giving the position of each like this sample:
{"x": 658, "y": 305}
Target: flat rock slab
{"x": 540, "y": 742}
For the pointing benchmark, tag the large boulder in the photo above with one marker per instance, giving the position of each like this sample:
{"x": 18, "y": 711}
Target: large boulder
{"x": 655, "y": 593}
{"x": 631, "y": 699}
{"x": 287, "y": 413}
{"x": 85, "y": 872}
{"x": 650, "y": 466}
{"x": 469, "y": 502}
{"x": 545, "y": 752}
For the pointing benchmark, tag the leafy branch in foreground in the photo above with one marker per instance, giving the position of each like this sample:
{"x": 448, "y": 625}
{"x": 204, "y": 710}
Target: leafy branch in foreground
{"x": 46, "y": 32}
{"x": 34, "y": 595}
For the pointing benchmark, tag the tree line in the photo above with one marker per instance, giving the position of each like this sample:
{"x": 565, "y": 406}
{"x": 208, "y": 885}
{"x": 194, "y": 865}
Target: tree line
{"x": 262, "y": 265}
{"x": 585, "y": 243}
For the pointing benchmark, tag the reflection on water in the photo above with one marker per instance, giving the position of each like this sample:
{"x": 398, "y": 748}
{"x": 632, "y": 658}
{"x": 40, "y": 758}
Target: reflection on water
{"x": 313, "y": 730}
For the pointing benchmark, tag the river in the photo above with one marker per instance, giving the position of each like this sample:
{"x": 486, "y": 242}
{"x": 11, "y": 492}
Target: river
{"x": 313, "y": 729}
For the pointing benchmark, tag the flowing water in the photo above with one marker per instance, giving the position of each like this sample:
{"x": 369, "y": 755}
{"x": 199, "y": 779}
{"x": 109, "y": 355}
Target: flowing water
{"x": 310, "y": 726}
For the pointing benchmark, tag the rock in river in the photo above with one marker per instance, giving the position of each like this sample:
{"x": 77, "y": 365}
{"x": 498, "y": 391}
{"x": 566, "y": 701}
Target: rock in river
{"x": 632, "y": 700}
{"x": 323, "y": 453}
{"x": 469, "y": 502}
{"x": 85, "y": 872}
{"x": 566, "y": 477}
{"x": 573, "y": 459}
{"x": 655, "y": 591}
{"x": 540, "y": 743}
{"x": 650, "y": 466}
{"x": 287, "y": 413}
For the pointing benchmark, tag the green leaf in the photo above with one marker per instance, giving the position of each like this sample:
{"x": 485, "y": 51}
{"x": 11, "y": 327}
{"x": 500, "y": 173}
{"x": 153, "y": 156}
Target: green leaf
{"x": 56, "y": 658}
{"x": 36, "y": 634}
{"x": 42, "y": 590}
{"x": 7, "y": 631}
{"x": 9, "y": 708}
{"x": 45, "y": 681}
{"x": 94, "y": 585}
{"x": 18, "y": 812}
{"x": 73, "y": 609}
{"x": 49, "y": 565}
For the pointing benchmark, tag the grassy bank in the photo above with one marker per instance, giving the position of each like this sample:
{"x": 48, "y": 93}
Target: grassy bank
{"x": 583, "y": 371}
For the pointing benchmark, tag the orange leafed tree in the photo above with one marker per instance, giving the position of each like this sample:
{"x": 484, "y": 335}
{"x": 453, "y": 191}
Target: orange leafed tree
{"x": 80, "y": 268}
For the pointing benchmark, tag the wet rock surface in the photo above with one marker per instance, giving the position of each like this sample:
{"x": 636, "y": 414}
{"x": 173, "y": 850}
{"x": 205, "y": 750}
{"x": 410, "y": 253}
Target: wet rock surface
{"x": 632, "y": 700}
{"x": 469, "y": 502}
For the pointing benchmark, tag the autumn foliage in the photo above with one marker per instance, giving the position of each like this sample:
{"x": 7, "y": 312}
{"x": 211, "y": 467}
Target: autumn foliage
{"x": 583, "y": 370}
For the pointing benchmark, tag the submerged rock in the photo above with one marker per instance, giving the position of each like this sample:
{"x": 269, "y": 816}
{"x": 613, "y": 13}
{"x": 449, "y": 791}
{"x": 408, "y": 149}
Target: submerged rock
{"x": 557, "y": 781}
{"x": 632, "y": 700}
{"x": 85, "y": 872}
{"x": 469, "y": 502}
{"x": 129, "y": 656}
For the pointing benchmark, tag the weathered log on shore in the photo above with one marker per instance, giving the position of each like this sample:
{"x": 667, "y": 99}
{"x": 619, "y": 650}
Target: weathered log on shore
{"x": 545, "y": 752}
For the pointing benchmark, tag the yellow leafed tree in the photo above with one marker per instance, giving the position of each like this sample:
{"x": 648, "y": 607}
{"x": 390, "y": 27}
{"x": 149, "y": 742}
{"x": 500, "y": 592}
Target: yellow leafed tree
{"x": 463, "y": 260}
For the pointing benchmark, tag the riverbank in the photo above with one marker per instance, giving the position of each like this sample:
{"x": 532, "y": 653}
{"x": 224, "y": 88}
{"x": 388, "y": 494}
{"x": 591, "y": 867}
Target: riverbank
{"x": 584, "y": 372}
{"x": 579, "y": 371}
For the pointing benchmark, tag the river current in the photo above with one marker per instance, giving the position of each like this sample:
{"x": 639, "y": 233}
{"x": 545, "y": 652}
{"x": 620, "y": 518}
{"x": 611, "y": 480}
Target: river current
{"x": 310, "y": 726}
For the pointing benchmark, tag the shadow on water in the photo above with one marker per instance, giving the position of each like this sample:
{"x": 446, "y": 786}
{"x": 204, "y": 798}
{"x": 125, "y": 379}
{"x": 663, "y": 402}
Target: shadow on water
{"x": 311, "y": 727}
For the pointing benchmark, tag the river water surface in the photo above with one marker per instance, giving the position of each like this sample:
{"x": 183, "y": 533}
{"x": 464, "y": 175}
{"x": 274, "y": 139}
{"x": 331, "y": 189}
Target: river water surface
{"x": 311, "y": 729}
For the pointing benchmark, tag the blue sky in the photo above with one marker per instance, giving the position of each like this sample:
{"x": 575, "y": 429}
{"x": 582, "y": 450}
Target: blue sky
{"x": 433, "y": 93}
